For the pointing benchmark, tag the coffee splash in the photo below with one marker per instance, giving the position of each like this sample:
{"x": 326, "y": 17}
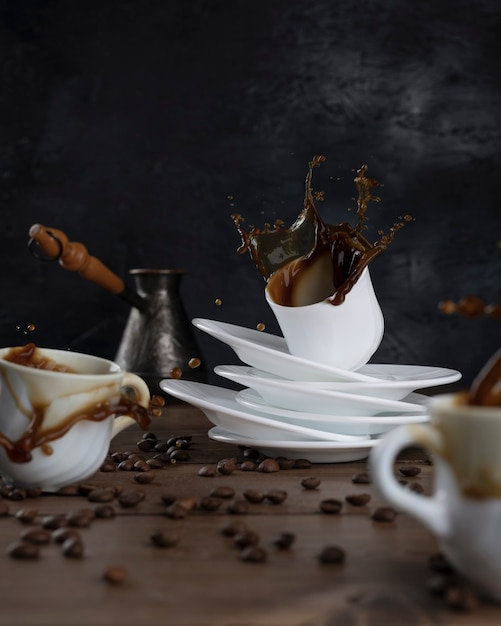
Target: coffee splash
{"x": 330, "y": 257}
{"x": 36, "y": 435}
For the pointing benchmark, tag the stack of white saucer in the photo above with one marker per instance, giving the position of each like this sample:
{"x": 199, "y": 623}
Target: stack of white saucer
{"x": 292, "y": 407}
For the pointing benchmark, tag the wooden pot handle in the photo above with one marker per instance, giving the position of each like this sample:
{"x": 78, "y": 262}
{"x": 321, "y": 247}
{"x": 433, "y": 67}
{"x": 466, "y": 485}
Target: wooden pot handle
{"x": 73, "y": 256}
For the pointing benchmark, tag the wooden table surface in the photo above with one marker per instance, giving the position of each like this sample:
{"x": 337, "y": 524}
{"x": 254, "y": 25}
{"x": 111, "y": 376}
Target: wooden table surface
{"x": 202, "y": 580}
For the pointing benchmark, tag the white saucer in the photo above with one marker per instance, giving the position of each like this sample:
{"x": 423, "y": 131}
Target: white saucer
{"x": 404, "y": 381}
{"x": 222, "y": 409}
{"x": 269, "y": 353}
{"x": 308, "y": 396}
{"x": 314, "y": 451}
{"x": 347, "y": 424}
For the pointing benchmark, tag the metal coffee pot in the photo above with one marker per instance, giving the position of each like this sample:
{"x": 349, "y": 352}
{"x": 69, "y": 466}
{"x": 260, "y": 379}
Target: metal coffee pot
{"x": 158, "y": 341}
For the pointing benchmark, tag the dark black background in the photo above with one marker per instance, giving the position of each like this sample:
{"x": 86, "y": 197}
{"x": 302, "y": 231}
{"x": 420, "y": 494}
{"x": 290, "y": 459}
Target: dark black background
{"x": 129, "y": 124}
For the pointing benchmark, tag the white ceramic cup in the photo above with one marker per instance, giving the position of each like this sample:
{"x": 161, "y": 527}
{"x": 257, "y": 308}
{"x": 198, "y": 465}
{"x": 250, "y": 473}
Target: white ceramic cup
{"x": 343, "y": 336}
{"x": 464, "y": 512}
{"x": 55, "y": 395}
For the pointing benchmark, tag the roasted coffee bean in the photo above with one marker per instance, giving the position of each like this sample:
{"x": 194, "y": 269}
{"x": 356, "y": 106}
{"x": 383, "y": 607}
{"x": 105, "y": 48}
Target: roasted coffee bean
{"x": 176, "y": 511}
{"x": 179, "y": 455}
{"x": 23, "y": 550}
{"x": 134, "y": 456}
{"x": 180, "y": 442}
{"x": 60, "y": 535}
{"x": 118, "y": 457}
{"x": 332, "y": 555}
{"x": 73, "y": 548}
{"x": 130, "y": 498}
{"x": 108, "y": 466}
{"x": 268, "y": 466}
{"x": 80, "y": 519}
{"x": 362, "y": 478}
{"x": 33, "y": 492}
{"x": 53, "y": 521}
{"x": 285, "y": 540}
{"x": 142, "y": 466}
{"x": 4, "y": 508}
{"x": 311, "y": 482}
{"x": 40, "y": 536}
{"x": 105, "y": 511}
{"x": 162, "y": 446}
{"x": 126, "y": 466}
{"x": 227, "y": 466}
{"x": 285, "y": 464}
{"x": 145, "y": 445}
{"x": 149, "y": 436}
{"x": 410, "y": 470}
{"x": 168, "y": 498}
{"x": 208, "y": 503}
{"x": 246, "y": 538}
{"x": 384, "y": 514}
{"x": 86, "y": 488}
{"x": 164, "y": 457}
{"x": 238, "y": 507}
{"x": 26, "y": 516}
{"x": 254, "y": 554}
{"x": 276, "y": 496}
{"x": 358, "y": 499}
{"x": 16, "y": 494}
{"x": 115, "y": 574}
{"x": 104, "y": 494}
{"x": 331, "y": 506}
{"x": 439, "y": 563}
{"x": 69, "y": 490}
{"x": 248, "y": 466}
{"x": 207, "y": 470}
{"x": 164, "y": 539}
{"x": 155, "y": 463}
{"x": 144, "y": 478}
{"x": 254, "y": 496}
{"x": 188, "y": 502}
{"x": 233, "y": 527}
{"x": 302, "y": 464}
{"x": 250, "y": 453}
{"x": 223, "y": 491}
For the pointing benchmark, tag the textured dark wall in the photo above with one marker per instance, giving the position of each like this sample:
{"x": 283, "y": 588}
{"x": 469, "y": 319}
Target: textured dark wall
{"x": 129, "y": 123}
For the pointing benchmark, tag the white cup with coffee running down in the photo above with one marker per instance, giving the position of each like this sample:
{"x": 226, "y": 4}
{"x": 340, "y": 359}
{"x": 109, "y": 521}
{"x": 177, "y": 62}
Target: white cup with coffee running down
{"x": 58, "y": 412}
{"x": 464, "y": 512}
{"x": 342, "y": 335}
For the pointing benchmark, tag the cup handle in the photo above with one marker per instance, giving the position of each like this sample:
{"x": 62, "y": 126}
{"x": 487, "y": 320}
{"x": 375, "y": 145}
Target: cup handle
{"x": 124, "y": 421}
{"x": 429, "y": 510}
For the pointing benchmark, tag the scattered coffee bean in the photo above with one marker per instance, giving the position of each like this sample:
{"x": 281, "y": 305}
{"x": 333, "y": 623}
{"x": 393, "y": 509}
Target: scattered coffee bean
{"x": 276, "y": 496}
{"x": 358, "y": 499}
{"x": 26, "y": 516}
{"x": 40, "y": 536}
{"x": 118, "y": 457}
{"x": 73, "y": 548}
{"x": 23, "y": 550}
{"x": 164, "y": 539}
{"x": 162, "y": 446}
{"x": 331, "y": 506}
{"x": 285, "y": 541}
{"x": 209, "y": 503}
{"x": 248, "y": 466}
{"x": 254, "y": 554}
{"x": 69, "y": 490}
{"x": 115, "y": 574}
{"x": 253, "y": 495}
{"x": 227, "y": 466}
{"x": 250, "y": 453}
{"x": 142, "y": 466}
{"x": 311, "y": 482}
{"x": 155, "y": 463}
{"x": 179, "y": 455}
{"x": 233, "y": 527}
{"x": 86, "y": 488}
{"x": 16, "y": 494}
{"x": 268, "y": 466}
{"x": 53, "y": 521}
{"x": 126, "y": 466}
{"x": 144, "y": 478}
{"x": 384, "y": 514}
{"x": 362, "y": 478}
{"x": 207, "y": 470}
{"x": 130, "y": 498}
{"x": 302, "y": 464}
{"x": 80, "y": 519}
{"x": 410, "y": 470}
{"x": 176, "y": 511}
{"x": 238, "y": 507}
{"x": 223, "y": 491}
{"x": 285, "y": 464}
{"x": 332, "y": 555}
{"x": 104, "y": 494}
{"x": 105, "y": 511}
{"x": 246, "y": 538}
{"x": 108, "y": 466}
{"x": 60, "y": 535}
{"x": 145, "y": 445}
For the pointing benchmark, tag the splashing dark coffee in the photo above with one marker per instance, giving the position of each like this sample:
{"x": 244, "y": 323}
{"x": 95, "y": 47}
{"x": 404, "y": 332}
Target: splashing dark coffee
{"x": 331, "y": 258}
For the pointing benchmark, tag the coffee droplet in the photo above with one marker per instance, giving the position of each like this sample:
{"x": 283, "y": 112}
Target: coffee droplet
{"x": 194, "y": 363}
{"x": 176, "y": 372}
{"x": 261, "y": 326}
{"x": 218, "y": 302}
{"x": 30, "y": 327}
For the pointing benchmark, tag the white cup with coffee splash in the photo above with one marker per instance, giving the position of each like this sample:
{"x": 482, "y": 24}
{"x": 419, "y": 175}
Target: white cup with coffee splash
{"x": 464, "y": 512}
{"x": 342, "y": 335}
{"x": 56, "y": 424}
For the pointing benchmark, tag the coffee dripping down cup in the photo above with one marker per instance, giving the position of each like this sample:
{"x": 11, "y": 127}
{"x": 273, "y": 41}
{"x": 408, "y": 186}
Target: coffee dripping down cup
{"x": 158, "y": 341}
